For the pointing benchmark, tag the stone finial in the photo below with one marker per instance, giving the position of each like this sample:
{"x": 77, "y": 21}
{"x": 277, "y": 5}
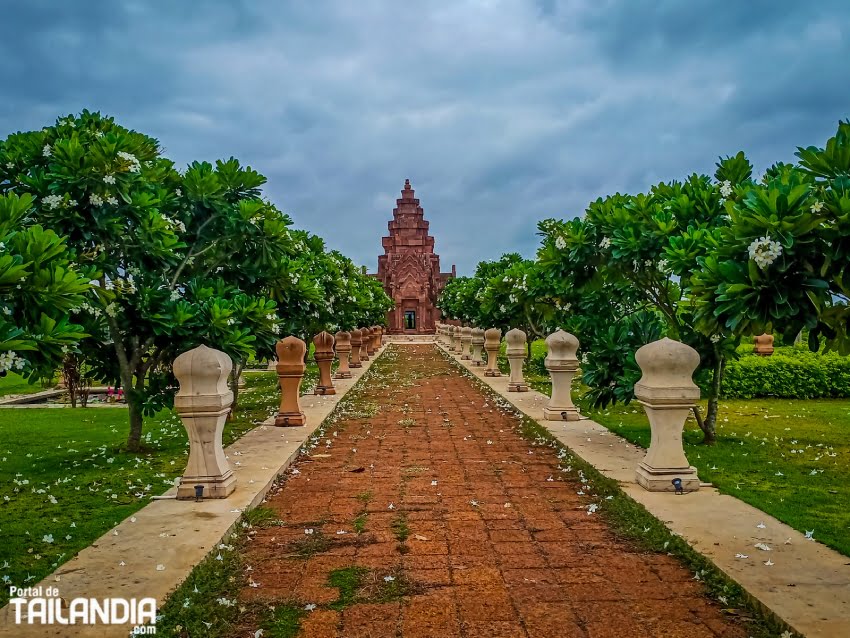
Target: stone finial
{"x": 477, "y": 345}
{"x": 516, "y": 352}
{"x": 763, "y": 345}
{"x": 380, "y": 341}
{"x": 668, "y": 393}
{"x": 465, "y": 342}
{"x": 342, "y": 345}
{"x": 203, "y": 403}
{"x": 324, "y": 356}
{"x": 365, "y": 338}
{"x": 492, "y": 343}
{"x": 370, "y": 341}
{"x": 290, "y": 372}
{"x": 562, "y": 364}
{"x": 459, "y": 340}
{"x": 356, "y": 344}
{"x": 452, "y": 337}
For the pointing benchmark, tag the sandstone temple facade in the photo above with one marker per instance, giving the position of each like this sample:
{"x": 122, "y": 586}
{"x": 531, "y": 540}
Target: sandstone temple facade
{"x": 410, "y": 270}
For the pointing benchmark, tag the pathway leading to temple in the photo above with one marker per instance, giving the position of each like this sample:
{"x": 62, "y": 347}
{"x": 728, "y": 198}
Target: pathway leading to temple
{"x": 425, "y": 512}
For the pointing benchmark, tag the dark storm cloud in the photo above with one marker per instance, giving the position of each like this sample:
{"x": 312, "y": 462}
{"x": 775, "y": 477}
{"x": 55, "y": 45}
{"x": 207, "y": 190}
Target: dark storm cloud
{"x": 500, "y": 112}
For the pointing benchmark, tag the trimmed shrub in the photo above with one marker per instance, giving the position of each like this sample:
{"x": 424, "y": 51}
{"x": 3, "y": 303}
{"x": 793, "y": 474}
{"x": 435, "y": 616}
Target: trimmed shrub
{"x": 791, "y": 373}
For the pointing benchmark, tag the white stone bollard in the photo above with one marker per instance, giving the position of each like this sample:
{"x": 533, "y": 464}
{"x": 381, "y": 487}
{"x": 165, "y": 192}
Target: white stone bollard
{"x": 452, "y": 338}
{"x": 477, "y": 345}
{"x": 203, "y": 403}
{"x": 562, "y": 364}
{"x": 667, "y": 392}
{"x": 492, "y": 343}
{"x": 516, "y": 352}
{"x": 465, "y": 342}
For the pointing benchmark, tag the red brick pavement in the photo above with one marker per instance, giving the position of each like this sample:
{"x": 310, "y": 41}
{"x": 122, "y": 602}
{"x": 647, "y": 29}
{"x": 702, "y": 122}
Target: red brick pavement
{"x": 494, "y": 548}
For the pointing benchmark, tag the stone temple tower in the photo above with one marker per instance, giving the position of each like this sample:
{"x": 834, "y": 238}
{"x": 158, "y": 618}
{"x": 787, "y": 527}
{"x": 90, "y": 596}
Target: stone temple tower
{"x": 410, "y": 270}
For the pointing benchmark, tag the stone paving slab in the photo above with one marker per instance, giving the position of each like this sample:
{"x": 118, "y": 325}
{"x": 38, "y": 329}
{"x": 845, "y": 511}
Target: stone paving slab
{"x": 161, "y": 543}
{"x": 808, "y": 585}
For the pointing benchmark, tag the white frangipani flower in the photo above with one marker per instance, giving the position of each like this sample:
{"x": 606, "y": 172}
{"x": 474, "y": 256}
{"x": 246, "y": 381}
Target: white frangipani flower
{"x": 95, "y": 199}
{"x": 108, "y": 179}
{"x": 560, "y": 243}
{"x": 726, "y": 188}
{"x": 605, "y": 243}
{"x": 47, "y": 151}
{"x": 764, "y": 251}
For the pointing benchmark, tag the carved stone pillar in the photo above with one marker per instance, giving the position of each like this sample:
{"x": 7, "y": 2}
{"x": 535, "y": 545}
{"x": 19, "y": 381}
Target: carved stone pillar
{"x": 452, "y": 337}
{"x": 492, "y": 343}
{"x": 465, "y": 342}
{"x": 365, "y": 338}
{"x": 763, "y": 345}
{"x": 516, "y": 352}
{"x": 290, "y": 372}
{"x": 370, "y": 340}
{"x": 667, "y": 392}
{"x": 324, "y": 356}
{"x": 459, "y": 340}
{"x": 477, "y": 345}
{"x": 562, "y": 364}
{"x": 203, "y": 403}
{"x": 342, "y": 345}
{"x": 356, "y": 344}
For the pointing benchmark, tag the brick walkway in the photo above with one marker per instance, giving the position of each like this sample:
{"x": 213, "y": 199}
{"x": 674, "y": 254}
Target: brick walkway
{"x": 489, "y": 546}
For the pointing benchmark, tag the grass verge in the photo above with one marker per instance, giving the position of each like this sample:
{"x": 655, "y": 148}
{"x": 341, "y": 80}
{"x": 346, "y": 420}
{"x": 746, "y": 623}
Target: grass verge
{"x": 66, "y": 478}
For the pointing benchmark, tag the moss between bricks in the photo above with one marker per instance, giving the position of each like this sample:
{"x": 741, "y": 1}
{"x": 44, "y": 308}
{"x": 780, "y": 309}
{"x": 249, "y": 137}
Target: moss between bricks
{"x": 632, "y": 522}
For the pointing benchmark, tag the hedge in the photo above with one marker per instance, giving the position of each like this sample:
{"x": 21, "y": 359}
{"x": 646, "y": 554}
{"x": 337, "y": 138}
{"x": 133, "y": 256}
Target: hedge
{"x": 790, "y": 373}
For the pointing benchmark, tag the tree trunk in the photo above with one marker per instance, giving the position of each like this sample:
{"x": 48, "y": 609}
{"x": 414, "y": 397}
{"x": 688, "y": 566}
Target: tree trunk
{"x": 709, "y": 424}
{"x": 134, "y": 403}
{"x": 234, "y": 387}
{"x": 713, "y": 402}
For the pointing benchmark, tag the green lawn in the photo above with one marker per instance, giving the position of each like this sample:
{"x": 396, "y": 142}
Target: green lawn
{"x": 789, "y": 458}
{"x": 15, "y": 384}
{"x": 65, "y": 478}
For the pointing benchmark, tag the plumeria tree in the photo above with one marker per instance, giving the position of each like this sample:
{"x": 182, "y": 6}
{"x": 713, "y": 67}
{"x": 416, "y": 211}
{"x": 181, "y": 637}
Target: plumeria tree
{"x": 176, "y": 259}
{"x": 652, "y": 244}
{"x": 39, "y": 288}
{"x": 782, "y": 262}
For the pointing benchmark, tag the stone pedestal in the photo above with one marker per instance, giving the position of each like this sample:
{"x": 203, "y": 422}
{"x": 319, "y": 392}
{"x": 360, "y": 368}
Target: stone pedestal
{"x": 763, "y": 345}
{"x": 324, "y": 356}
{"x": 465, "y": 342}
{"x": 365, "y": 338}
{"x": 370, "y": 342}
{"x": 667, "y": 392}
{"x": 356, "y": 345}
{"x": 342, "y": 345}
{"x": 458, "y": 349}
{"x": 516, "y": 352}
{"x": 477, "y": 345}
{"x": 203, "y": 403}
{"x": 562, "y": 364}
{"x": 453, "y": 336}
{"x": 492, "y": 343}
{"x": 380, "y": 340}
{"x": 290, "y": 372}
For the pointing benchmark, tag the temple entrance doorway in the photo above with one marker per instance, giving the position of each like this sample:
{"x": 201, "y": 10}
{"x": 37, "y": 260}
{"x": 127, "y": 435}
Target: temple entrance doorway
{"x": 410, "y": 320}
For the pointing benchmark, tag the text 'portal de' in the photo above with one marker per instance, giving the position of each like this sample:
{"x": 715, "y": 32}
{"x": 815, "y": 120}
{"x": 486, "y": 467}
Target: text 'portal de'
{"x": 410, "y": 270}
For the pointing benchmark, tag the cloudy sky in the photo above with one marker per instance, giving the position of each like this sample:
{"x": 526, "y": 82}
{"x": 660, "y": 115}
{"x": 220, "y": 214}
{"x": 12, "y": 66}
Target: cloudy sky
{"x": 501, "y": 112}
